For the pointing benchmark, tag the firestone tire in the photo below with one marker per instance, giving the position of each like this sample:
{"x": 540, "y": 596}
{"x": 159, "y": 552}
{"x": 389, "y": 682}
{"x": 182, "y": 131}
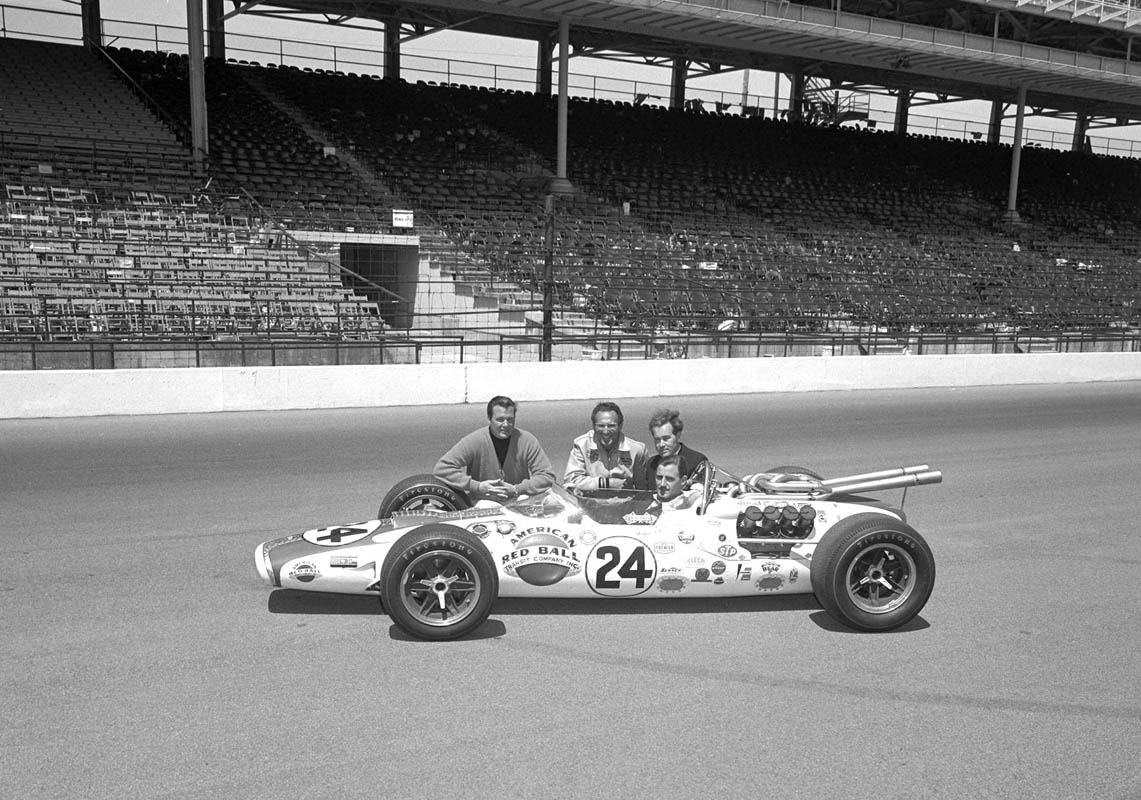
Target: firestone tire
{"x": 438, "y": 582}
{"x": 422, "y": 493}
{"x": 805, "y": 471}
{"x": 873, "y": 572}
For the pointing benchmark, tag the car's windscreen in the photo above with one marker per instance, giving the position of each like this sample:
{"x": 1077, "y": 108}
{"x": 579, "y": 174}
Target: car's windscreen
{"x": 604, "y": 506}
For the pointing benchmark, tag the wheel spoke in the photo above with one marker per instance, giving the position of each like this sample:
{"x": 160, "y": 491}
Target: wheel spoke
{"x": 463, "y": 585}
{"x": 428, "y": 603}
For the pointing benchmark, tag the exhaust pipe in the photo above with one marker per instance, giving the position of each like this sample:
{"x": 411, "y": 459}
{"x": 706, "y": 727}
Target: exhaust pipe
{"x": 897, "y": 478}
{"x": 851, "y": 486}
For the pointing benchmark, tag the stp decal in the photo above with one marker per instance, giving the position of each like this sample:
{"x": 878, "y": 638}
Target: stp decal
{"x": 621, "y": 566}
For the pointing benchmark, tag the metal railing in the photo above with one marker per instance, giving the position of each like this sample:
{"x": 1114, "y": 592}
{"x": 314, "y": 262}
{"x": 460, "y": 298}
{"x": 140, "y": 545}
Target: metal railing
{"x": 269, "y": 352}
{"x": 347, "y": 58}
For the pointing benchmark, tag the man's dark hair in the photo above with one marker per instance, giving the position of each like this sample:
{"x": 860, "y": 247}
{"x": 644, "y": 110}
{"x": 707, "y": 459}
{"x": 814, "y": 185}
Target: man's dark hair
{"x": 606, "y": 405}
{"x": 664, "y": 415}
{"x": 500, "y": 400}
{"x": 669, "y": 461}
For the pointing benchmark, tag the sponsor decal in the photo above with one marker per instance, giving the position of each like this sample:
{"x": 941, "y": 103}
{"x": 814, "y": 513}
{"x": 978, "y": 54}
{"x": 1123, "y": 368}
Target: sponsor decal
{"x": 670, "y": 570}
{"x": 701, "y": 575}
{"x": 718, "y": 567}
{"x": 672, "y": 584}
{"x": 726, "y": 551}
{"x": 793, "y": 575}
{"x": 480, "y": 529}
{"x": 770, "y": 567}
{"x": 664, "y": 547}
{"x": 639, "y": 519}
{"x": 348, "y": 562}
{"x": 744, "y": 573}
{"x": 505, "y": 527}
{"x": 685, "y": 538}
{"x": 770, "y": 583}
{"x": 339, "y": 534}
{"x": 469, "y": 513}
{"x": 542, "y": 557}
{"x": 588, "y": 537}
{"x": 304, "y": 571}
{"x": 719, "y": 580}
{"x": 566, "y": 538}
{"x": 696, "y": 561}
{"x": 720, "y": 537}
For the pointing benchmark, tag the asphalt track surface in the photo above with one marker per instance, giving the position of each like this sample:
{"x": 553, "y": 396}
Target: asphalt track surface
{"x": 141, "y": 657}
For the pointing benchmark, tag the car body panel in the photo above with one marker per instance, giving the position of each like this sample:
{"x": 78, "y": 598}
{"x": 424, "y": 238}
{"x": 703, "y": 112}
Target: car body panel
{"x": 557, "y": 544}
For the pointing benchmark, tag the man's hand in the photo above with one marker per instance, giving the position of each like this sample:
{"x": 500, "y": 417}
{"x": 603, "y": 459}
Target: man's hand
{"x": 621, "y": 474}
{"x": 497, "y": 488}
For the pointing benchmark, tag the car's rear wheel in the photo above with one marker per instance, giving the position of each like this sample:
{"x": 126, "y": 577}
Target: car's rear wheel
{"x": 438, "y": 582}
{"x": 873, "y": 572}
{"x": 422, "y": 493}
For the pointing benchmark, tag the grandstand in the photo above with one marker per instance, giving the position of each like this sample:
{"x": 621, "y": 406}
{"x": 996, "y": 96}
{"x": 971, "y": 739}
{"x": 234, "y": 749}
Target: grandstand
{"x": 683, "y": 232}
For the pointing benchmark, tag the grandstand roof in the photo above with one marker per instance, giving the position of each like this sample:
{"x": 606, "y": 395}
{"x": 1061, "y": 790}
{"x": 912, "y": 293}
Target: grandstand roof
{"x": 1072, "y": 57}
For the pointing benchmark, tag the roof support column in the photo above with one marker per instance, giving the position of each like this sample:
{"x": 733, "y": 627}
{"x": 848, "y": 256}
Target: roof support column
{"x": 796, "y": 98}
{"x": 1081, "y": 128}
{"x": 392, "y": 48}
{"x": 560, "y": 184}
{"x": 92, "y": 19}
{"x": 544, "y": 65}
{"x": 677, "y": 82}
{"x": 198, "y": 128}
{"x": 994, "y": 130}
{"x": 902, "y": 111}
{"x": 1016, "y": 158}
{"x": 215, "y": 30}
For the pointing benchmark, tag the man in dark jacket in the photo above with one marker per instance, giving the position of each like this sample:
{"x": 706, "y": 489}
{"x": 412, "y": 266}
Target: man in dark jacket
{"x": 498, "y": 462}
{"x": 665, "y": 430}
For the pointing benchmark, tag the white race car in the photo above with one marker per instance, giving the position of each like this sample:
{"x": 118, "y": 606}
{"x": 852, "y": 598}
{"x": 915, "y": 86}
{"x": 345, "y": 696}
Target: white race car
{"x": 438, "y": 567}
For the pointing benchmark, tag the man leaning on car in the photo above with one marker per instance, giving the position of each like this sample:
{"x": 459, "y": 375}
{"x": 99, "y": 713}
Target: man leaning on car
{"x": 498, "y": 462}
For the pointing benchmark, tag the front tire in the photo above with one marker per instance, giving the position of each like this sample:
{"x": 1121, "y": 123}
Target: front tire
{"x": 438, "y": 582}
{"x": 873, "y": 572}
{"x": 422, "y": 493}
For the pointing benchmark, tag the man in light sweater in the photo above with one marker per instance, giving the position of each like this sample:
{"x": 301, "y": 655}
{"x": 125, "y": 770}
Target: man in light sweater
{"x": 499, "y": 462}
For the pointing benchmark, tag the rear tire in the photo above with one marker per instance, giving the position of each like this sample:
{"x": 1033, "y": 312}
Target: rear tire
{"x": 438, "y": 582}
{"x": 422, "y": 493}
{"x": 873, "y": 572}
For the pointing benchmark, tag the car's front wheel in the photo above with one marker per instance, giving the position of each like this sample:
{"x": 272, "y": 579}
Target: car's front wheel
{"x": 873, "y": 572}
{"x": 438, "y": 582}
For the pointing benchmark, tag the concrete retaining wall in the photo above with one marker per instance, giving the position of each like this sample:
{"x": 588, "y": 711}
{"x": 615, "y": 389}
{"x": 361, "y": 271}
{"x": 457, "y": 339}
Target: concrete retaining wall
{"x": 69, "y": 393}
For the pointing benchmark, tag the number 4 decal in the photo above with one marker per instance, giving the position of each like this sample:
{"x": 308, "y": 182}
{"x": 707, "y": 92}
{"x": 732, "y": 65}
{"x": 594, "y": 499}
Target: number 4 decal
{"x": 332, "y": 537}
{"x": 621, "y": 566}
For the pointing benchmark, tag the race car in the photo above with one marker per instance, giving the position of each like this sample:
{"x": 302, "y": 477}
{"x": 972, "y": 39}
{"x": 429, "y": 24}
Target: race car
{"x": 438, "y": 563}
